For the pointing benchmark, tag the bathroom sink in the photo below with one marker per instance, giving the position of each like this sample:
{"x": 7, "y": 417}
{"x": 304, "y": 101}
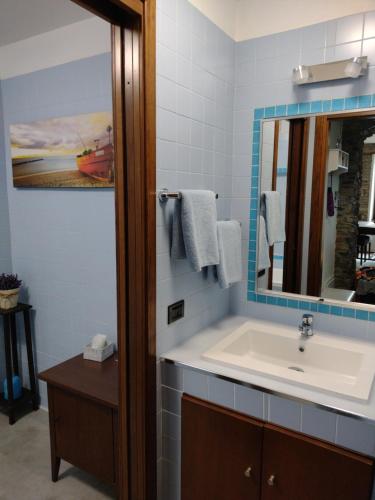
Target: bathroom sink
{"x": 326, "y": 362}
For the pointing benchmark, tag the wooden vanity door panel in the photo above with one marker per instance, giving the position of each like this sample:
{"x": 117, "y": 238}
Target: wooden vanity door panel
{"x": 84, "y": 434}
{"x": 310, "y": 469}
{"x": 218, "y": 445}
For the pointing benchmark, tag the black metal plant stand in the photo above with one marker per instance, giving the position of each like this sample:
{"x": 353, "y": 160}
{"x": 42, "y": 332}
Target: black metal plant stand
{"x": 11, "y": 361}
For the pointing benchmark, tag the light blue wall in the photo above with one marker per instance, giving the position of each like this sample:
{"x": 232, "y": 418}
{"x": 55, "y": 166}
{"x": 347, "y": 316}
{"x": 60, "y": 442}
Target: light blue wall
{"x": 195, "y": 74}
{"x": 263, "y": 78}
{"x": 5, "y": 253}
{"x": 63, "y": 241}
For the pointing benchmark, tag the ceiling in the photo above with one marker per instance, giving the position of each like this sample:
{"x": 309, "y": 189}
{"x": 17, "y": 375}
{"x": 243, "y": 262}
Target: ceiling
{"x": 20, "y": 19}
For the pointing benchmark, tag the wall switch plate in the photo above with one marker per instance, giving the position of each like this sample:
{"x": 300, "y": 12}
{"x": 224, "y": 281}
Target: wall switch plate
{"x": 176, "y": 311}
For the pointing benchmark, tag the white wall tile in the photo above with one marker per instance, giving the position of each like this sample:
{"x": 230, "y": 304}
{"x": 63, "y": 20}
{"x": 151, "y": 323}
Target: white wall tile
{"x": 284, "y": 412}
{"x": 356, "y": 435}
{"x": 221, "y": 392}
{"x": 196, "y": 384}
{"x": 349, "y": 29}
{"x": 318, "y": 423}
{"x": 249, "y": 401}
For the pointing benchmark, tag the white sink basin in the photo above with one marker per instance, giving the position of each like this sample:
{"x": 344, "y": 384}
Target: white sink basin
{"x": 329, "y": 363}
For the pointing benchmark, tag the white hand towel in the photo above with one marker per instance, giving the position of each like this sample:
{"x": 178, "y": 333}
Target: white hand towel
{"x": 229, "y": 270}
{"x": 272, "y": 214}
{"x": 263, "y": 248}
{"x": 194, "y": 233}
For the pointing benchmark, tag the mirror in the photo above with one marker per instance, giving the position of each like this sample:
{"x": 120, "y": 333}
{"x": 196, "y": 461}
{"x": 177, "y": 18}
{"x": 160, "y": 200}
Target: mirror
{"x": 316, "y": 228}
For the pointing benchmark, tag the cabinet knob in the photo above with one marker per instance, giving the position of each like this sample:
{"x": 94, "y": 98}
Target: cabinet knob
{"x": 271, "y": 480}
{"x": 247, "y": 472}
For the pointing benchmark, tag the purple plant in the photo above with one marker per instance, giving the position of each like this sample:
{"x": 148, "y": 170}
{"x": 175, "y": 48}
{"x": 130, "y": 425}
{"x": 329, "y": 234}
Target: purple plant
{"x": 9, "y": 281}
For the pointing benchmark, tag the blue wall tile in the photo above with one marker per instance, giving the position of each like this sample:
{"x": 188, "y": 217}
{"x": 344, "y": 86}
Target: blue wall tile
{"x": 316, "y": 107}
{"x": 364, "y": 101}
{"x": 361, "y": 315}
{"x": 292, "y": 109}
{"x": 351, "y": 103}
{"x": 338, "y": 104}
{"x": 348, "y": 313}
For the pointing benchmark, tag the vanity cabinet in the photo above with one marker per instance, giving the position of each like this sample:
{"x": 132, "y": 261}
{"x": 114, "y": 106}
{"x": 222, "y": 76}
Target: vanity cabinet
{"x": 221, "y": 453}
{"x": 226, "y": 455}
{"x": 296, "y": 466}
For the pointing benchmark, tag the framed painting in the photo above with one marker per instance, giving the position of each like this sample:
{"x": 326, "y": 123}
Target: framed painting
{"x": 66, "y": 152}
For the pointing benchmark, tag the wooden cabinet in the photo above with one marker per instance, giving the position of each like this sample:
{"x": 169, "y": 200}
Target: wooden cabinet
{"x": 226, "y": 455}
{"x": 83, "y": 416}
{"x": 84, "y": 433}
{"x": 298, "y": 467}
{"x": 221, "y": 453}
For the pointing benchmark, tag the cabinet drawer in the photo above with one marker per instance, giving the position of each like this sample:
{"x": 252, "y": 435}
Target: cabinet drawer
{"x": 84, "y": 434}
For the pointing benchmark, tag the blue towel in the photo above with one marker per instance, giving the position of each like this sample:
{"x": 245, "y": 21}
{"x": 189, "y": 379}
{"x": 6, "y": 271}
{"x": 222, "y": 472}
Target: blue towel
{"x": 229, "y": 270}
{"x": 272, "y": 216}
{"x": 194, "y": 233}
{"x": 263, "y": 248}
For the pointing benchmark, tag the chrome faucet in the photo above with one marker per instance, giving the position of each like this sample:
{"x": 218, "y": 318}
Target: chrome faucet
{"x": 306, "y": 327}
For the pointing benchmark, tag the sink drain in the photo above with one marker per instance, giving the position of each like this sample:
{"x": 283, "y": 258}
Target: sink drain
{"x": 296, "y": 369}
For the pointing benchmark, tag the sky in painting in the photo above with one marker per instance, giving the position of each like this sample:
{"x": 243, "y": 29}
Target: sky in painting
{"x": 68, "y": 135}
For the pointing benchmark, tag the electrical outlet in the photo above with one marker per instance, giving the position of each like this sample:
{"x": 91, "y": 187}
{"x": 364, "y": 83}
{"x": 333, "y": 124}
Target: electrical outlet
{"x": 176, "y": 311}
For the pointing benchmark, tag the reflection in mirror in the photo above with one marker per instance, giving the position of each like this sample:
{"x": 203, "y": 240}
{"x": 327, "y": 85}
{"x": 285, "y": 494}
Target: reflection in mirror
{"x": 317, "y": 202}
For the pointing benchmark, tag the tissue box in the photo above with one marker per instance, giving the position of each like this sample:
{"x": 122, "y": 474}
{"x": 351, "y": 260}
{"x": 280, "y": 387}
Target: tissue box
{"x": 98, "y": 354}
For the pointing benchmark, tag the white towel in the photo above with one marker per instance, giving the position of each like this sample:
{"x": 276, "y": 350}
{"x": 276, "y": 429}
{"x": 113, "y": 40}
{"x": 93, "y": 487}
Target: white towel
{"x": 229, "y": 270}
{"x": 194, "y": 233}
{"x": 272, "y": 216}
{"x": 263, "y": 248}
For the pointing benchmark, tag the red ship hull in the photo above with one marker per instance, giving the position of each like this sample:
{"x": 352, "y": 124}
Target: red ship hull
{"x": 97, "y": 164}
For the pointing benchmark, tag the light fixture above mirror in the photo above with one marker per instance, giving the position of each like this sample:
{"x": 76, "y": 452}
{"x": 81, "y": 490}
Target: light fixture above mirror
{"x": 347, "y": 68}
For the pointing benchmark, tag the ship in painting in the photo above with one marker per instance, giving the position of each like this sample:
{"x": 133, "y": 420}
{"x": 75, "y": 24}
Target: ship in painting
{"x": 98, "y": 163}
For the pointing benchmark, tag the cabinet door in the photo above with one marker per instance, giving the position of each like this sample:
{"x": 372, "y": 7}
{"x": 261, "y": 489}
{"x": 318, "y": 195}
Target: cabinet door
{"x": 297, "y": 467}
{"x": 84, "y": 434}
{"x": 221, "y": 453}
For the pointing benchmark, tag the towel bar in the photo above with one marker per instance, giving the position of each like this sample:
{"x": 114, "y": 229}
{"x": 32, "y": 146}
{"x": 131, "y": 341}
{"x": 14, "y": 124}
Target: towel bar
{"x": 165, "y": 195}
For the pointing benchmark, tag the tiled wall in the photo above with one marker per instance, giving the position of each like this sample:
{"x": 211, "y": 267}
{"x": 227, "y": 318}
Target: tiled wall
{"x": 262, "y": 73}
{"x": 63, "y": 240}
{"x": 341, "y": 430}
{"x": 195, "y": 73}
{"x": 263, "y": 69}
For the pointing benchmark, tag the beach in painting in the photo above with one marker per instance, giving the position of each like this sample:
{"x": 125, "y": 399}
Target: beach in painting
{"x": 63, "y": 152}
{"x": 51, "y": 172}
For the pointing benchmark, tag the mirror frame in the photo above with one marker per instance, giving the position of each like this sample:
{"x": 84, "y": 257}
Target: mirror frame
{"x": 304, "y": 302}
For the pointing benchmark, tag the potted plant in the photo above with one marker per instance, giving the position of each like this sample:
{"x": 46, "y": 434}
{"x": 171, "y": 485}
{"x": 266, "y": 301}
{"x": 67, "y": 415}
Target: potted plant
{"x": 9, "y": 290}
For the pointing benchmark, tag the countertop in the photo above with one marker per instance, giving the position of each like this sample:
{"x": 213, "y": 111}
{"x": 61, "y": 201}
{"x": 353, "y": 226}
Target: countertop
{"x": 90, "y": 379}
{"x": 188, "y": 355}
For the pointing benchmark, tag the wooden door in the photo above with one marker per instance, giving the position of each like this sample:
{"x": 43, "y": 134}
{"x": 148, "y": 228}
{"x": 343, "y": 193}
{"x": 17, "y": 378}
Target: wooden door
{"x": 221, "y": 453}
{"x": 295, "y": 205}
{"x": 296, "y": 467}
{"x": 84, "y": 434}
{"x": 315, "y": 261}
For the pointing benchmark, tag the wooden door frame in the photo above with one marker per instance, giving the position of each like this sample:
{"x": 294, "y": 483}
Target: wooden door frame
{"x": 295, "y": 204}
{"x": 134, "y": 109}
{"x": 273, "y": 188}
{"x": 315, "y": 261}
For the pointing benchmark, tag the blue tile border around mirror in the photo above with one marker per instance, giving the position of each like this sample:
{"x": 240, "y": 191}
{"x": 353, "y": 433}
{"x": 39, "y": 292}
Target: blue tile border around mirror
{"x": 288, "y": 111}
